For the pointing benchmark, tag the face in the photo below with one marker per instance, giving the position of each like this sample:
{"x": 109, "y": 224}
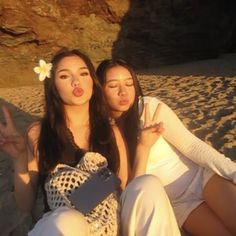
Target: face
{"x": 119, "y": 90}
{"x": 73, "y": 81}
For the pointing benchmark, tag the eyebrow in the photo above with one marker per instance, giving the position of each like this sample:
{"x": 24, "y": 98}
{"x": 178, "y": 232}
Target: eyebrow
{"x": 80, "y": 68}
{"x": 112, "y": 80}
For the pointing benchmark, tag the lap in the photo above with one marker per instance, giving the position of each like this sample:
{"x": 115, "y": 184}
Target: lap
{"x": 192, "y": 197}
{"x": 62, "y": 221}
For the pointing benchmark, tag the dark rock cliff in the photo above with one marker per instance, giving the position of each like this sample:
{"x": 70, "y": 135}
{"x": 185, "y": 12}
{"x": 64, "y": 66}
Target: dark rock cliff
{"x": 147, "y": 33}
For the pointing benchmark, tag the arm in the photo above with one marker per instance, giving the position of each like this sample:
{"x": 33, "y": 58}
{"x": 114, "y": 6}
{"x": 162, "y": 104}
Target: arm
{"x": 149, "y": 134}
{"x": 125, "y": 172}
{"x": 12, "y": 143}
{"x": 26, "y": 174}
{"x": 141, "y": 159}
{"x": 192, "y": 147}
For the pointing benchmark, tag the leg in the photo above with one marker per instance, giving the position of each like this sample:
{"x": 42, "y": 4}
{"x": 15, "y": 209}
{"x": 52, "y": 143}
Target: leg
{"x": 203, "y": 222}
{"x": 220, "y": 196}
{"x": 146, "y": 210}
{"x": 61, "y": 222}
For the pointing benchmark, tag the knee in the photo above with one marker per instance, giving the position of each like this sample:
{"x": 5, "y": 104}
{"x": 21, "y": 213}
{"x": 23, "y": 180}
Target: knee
{"x": 61, "y": 221}
{"x": 71, "y": 222}
{"x": 147, "y": 186}
{"x": 145, "y": 195}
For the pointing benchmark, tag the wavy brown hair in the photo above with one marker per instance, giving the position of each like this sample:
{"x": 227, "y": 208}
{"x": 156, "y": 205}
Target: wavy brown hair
{"x": 53, "y": 138}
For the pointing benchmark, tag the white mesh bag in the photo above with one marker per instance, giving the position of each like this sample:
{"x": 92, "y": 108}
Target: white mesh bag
{"x": 104, "y": 218}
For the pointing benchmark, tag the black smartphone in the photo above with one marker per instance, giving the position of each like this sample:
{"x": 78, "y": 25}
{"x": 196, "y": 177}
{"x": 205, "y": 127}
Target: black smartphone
{"x": 88, "y": 195}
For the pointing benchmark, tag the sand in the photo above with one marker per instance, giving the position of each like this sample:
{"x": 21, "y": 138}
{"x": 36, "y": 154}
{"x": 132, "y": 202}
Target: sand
{"x": 202, "y": 93}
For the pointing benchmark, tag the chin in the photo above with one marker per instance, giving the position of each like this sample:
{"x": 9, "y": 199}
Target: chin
{"x": 124, "y": 109}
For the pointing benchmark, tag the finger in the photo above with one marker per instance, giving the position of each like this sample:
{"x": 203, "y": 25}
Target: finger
{"x": 155, "y": 128}
{"x": 151, "y": 128}
{"x": 8, "y": 118}
{"x": 156, "y": 113}
{"x": 147, "y": 116}
{"x": 16, "y": 140}
{"x": 160, "y": 127}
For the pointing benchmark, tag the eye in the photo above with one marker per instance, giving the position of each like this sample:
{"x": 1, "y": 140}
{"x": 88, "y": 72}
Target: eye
{"x": 84, "y": 73}
{"x": 129, "y": 83}
{"x": 64, "y": 76}
{"x": 112, "y": 85}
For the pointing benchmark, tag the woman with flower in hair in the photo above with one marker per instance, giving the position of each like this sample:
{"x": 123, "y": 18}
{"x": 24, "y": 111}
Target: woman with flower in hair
{"x": 74, "y": 140}
{"x": 199, "y": 181}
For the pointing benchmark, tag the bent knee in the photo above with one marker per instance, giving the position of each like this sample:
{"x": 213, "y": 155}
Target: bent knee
{"x": 71, "y": 222}
{"x": 147, "y": 184}
{"x": 145, "y": 194}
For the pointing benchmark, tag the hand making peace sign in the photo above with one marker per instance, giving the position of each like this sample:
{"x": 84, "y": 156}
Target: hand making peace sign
{"x": 11, "y": 142}
{"x": 151, "y": 130}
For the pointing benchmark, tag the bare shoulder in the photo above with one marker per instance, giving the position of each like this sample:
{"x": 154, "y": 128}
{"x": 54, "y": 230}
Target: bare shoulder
{"x": 33, "y": 130}
{"x": 32, "y": 135}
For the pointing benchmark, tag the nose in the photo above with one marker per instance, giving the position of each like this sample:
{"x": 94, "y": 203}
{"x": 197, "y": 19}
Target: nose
{"x": 122, "y": 90}
{"x": 75, "y": 81}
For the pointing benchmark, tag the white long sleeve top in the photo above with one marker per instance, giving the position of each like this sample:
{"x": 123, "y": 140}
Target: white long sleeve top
{"x": 177, "y": 154}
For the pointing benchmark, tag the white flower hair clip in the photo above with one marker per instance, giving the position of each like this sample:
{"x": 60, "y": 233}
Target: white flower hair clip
{"x": 44, "y": 70}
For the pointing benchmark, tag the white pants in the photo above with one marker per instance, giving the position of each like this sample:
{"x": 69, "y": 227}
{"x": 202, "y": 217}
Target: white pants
{"x": 145, "y": 211}
{"x": 63, "y": 221}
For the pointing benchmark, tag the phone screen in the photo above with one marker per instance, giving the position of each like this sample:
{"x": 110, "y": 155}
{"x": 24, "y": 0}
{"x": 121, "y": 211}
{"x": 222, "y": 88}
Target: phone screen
{"x": 99, "y": 186}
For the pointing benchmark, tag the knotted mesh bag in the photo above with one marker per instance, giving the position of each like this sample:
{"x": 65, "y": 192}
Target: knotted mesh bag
{"x": 104, "y": 218}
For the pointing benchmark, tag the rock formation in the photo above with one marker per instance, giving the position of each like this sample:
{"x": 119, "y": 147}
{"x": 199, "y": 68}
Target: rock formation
{"x": 147, "y": 33}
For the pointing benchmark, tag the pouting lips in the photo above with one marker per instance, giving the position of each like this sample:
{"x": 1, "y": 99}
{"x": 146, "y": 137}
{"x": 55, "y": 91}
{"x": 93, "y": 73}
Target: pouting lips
{"x": 78, "y": 92}
{"x": 124, "y": 101}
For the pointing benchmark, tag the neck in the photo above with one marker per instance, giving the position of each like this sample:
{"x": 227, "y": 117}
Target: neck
{"x": 119, "y": 118}
{"x": 77, "y": 116}
{"x": 116, "y": 114}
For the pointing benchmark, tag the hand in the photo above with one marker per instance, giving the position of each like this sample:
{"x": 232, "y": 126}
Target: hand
{"x": 151, "y": 130}
{"x": 11, "y": 142}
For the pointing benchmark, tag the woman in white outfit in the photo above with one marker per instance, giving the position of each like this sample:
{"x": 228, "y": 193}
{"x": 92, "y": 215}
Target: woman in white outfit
{"x": 74, "y": 140}
{"x": 199, "y": 181}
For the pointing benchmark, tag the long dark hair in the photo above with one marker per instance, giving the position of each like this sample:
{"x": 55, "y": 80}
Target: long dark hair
{"x": 53, "y": 136}
{"x": 129, "y": 119}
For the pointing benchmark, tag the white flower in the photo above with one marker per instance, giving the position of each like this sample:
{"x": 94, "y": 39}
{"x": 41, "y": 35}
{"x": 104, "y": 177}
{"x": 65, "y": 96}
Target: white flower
{"x": 43, "y": 70}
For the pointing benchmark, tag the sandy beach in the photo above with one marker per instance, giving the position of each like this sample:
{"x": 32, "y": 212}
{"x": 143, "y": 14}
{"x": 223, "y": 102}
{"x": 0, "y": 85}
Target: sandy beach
{"x": 202, "y": 93}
